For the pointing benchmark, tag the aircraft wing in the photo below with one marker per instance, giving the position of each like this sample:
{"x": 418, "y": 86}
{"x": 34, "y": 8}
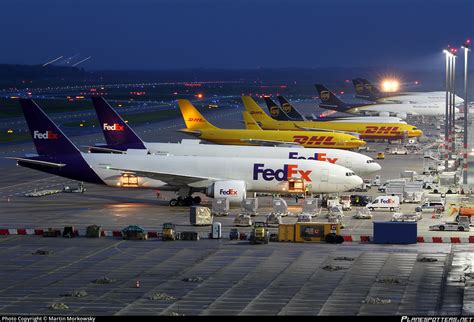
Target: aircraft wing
{"x": 173, "y": 179}
{"x": 272, "y": 143}
{"x": 326, "y": 130}
{"x": 38, "y": 162}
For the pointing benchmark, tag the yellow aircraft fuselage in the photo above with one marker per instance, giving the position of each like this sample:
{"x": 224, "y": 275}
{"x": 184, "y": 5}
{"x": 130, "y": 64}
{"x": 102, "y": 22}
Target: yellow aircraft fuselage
{"x": 198, "y": 126}
{"x": 308, "y": 139}
{"x": 365, "y": 130}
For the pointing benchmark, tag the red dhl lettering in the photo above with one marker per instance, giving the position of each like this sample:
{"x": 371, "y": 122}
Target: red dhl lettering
{"x": 314, "y": 140}
{"x": 195, "y": 119}
{"x": 382, "y": 130}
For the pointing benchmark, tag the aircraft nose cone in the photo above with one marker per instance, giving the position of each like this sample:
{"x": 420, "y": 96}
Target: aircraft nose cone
{"x": 376, "y": 167}
{"x": 357, "y": 181}
{"x": 417, "y": 133}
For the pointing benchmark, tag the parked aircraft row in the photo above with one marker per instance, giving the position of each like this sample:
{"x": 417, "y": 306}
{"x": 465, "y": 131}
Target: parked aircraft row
{"x": 382, "y": 108}
{"x": 216, "y": 175}
{"x": 126, "y": 138}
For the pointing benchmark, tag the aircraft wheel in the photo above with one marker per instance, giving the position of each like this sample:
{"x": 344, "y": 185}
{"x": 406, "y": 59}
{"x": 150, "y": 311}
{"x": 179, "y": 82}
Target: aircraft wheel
{"x": 188, "y": 201}
{"x": 173, "y": 202}
{"x": 197, "y": 200}
{"x": 181, "y": 202}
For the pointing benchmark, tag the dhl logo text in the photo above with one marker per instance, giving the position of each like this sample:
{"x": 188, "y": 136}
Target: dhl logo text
{"x": 382, "y": 130}
{"x": 195, "y": 119}
{"x": 314, "y": 140}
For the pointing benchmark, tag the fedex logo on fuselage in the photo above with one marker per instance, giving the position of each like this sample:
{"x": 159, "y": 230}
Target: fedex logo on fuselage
{"x": 48, "y": 135}
{"x": 317, "y": 156}
{"x": 230, "y": 192}
{"x": 113, "y": 127}
{"x": 288, "y": 171}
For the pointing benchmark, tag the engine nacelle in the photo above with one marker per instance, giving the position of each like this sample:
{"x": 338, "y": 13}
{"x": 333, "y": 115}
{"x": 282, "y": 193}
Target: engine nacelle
{"x": 402, "y": 115}
{"x": 234, "y": 190}
{"x": 386, "y": 114}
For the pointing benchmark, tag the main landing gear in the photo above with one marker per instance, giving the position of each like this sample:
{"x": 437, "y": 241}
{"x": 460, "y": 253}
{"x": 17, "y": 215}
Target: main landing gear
{"x": 187, "y": 201}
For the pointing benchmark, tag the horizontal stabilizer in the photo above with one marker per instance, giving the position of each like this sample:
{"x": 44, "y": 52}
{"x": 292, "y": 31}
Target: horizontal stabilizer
{"x": 38, "y": 162}
{"x": 326, "y": 130}
{"x": 271, "y": 143}
{"x": 98, "y": 149}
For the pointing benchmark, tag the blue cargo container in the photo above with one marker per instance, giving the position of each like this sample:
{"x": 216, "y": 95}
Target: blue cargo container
{"x": 392, "y": 232}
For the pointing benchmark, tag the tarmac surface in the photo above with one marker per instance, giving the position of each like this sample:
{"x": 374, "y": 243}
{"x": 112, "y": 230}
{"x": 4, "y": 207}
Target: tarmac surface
{"x": 230, "y": 278}
{"x": 237, "y": 278}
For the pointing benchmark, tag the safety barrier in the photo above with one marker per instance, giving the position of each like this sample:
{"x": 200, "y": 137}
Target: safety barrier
{"x": 204, "y": 235}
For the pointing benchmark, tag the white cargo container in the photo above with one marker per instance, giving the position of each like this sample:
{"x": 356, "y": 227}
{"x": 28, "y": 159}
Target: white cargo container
{"x": 220, "y": 206}
{"x": 249, "y": 206}
{"x": 280, "y": 207}
{"x": 311, "y": 207}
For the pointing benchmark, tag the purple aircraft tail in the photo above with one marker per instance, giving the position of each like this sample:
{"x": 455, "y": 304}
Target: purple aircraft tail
{"x": 47, "y": 137}
{"x": 117, "y": 133}
{"x": 56, "y": 153}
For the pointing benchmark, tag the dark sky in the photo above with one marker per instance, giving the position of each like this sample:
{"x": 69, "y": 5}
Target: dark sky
{"x": 157, "y": 34}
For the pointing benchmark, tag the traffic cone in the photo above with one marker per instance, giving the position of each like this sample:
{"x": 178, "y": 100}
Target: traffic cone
{"x": 137, "y": 284}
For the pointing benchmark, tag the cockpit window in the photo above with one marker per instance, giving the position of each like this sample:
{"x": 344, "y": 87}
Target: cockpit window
{"x": 350, "y": 174}
{"x": 370, "y": 161}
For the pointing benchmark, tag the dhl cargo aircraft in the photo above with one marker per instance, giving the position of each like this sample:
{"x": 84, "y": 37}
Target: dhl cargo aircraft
{"x": 375, "y": 131}
{"x": 198, "y": 126}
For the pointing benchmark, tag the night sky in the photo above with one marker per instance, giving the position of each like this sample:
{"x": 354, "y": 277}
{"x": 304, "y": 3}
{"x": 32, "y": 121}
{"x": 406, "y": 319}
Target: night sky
{"x": 157, "y": 34}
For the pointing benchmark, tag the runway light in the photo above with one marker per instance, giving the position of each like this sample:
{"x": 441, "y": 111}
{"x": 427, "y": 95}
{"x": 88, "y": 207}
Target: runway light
{"x": 390, "y": 85}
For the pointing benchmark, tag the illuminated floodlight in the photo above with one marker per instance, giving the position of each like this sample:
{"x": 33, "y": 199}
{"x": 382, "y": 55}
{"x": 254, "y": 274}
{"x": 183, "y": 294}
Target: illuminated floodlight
{"x": 390, "y": 85}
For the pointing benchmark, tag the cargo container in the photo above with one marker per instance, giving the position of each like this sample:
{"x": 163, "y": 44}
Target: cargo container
{"x": 200, "y": 216}
{"x": 388, "y": 232}
{"x": 220, "y": 207}
{"x": 280, "y": 207}
{"x": 249, "y": 206}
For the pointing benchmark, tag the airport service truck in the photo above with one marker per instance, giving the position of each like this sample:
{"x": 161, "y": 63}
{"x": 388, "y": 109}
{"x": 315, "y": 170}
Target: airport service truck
{"x": 391, "y": 203}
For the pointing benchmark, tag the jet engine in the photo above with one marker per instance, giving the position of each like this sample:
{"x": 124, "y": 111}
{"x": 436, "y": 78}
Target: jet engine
{"x": 401, "y": 115}
{"x": 386, "y": 114}
{"x": 234, "y": 190}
